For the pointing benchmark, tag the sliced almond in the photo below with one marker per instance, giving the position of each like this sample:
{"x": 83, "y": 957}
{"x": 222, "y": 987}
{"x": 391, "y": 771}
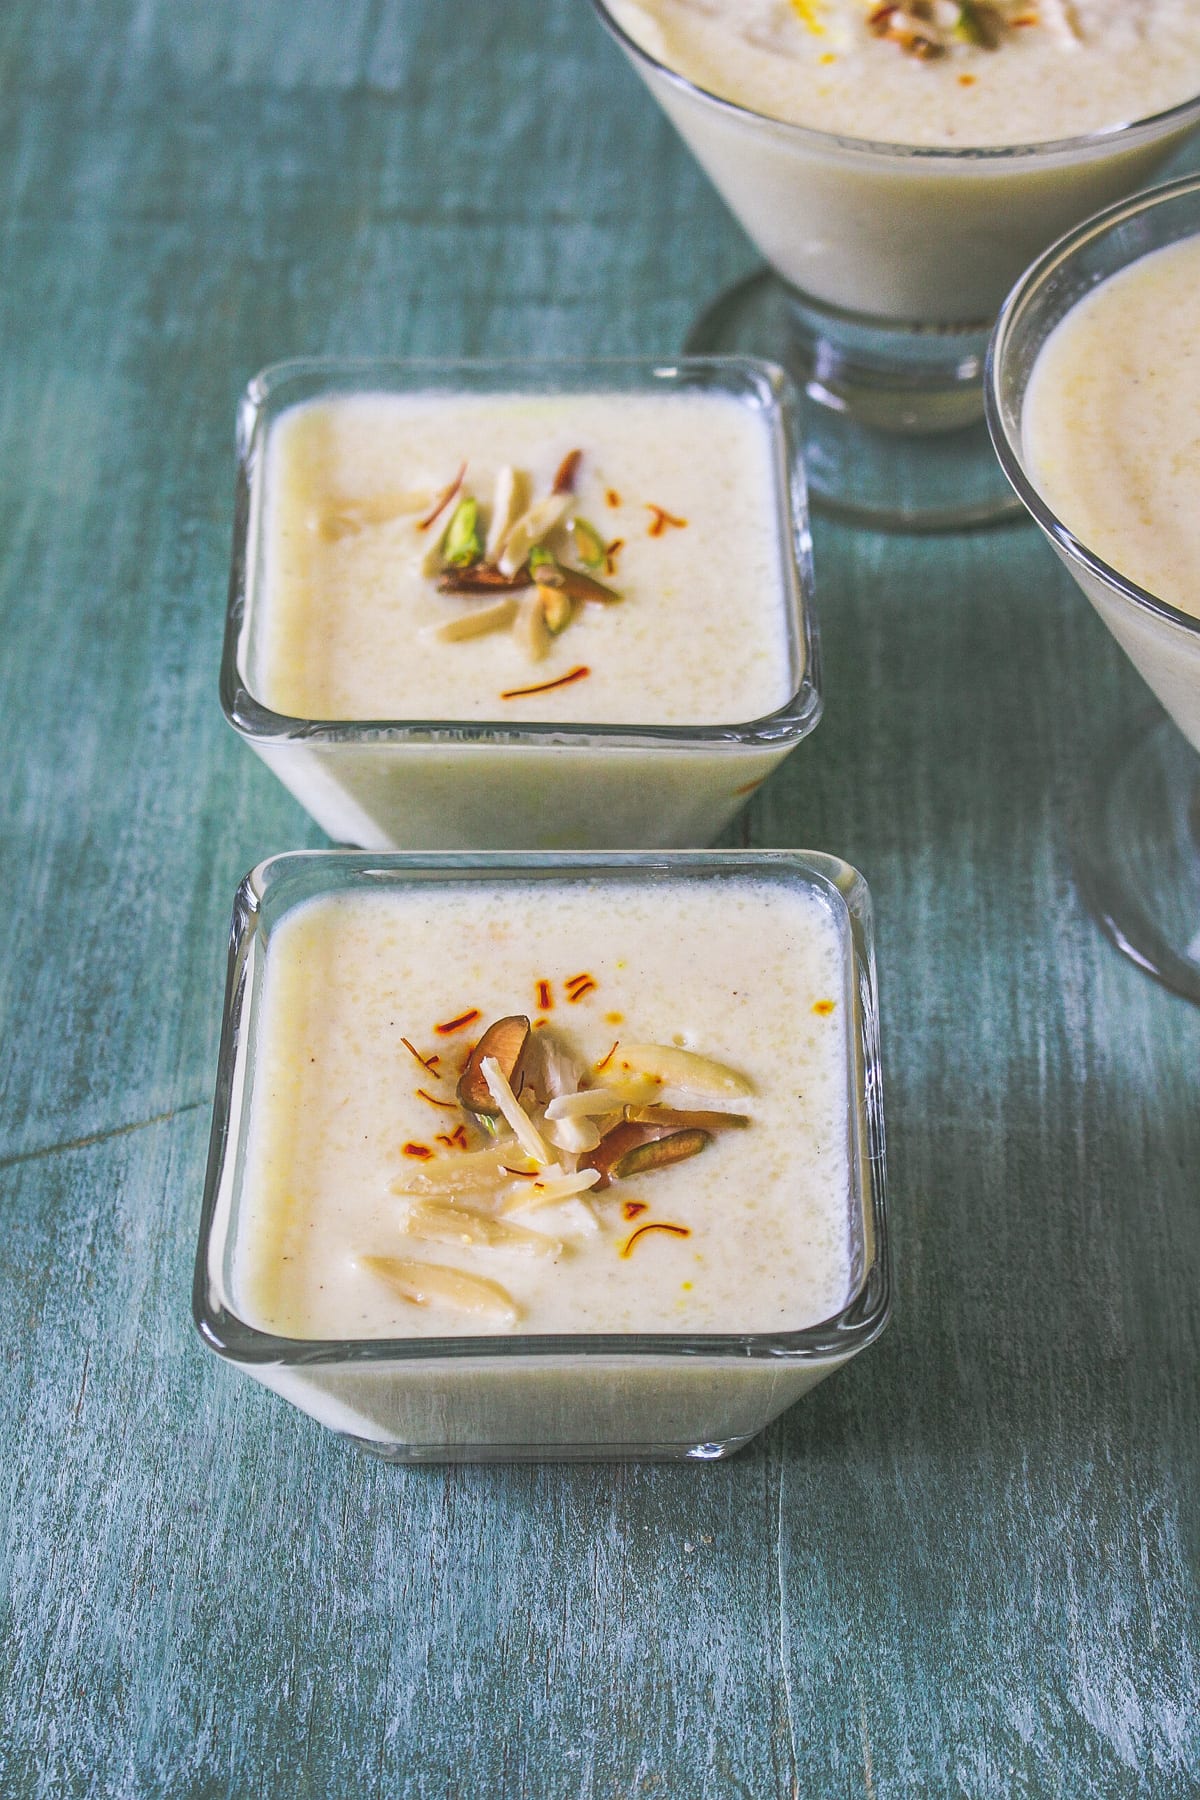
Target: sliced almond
{"x": 548, "y": 1190}
{"x": 530, "y": 628}
{"x": 343, "y": 518}
{"x": 431, "y": 559}
{"x": 474, "y": 1172}
{"x": 683, "y": 1068}
{"x": 526, "y": 1132}
{"x": 531, "y": 528}
{"x": 632, "y": 1090}
{"x": 557, "y": 1071}
{"x": 588, "y": 1103}
{"x": 508, "y": 1042}
{"x": 478, "y": 622}
{"x": 575, "y": 1136}
{"x": 510, "y": 501}
{"x": 431, "y": 1221}
{"x": 423, "y": 1283}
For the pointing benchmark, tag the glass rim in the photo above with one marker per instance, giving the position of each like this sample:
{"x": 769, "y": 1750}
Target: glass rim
{"x": 858, "y": 1323}
{"x": 1149, "y": 126}
{"x": 1010, "y": 454}
{"x": 787, "y": 724}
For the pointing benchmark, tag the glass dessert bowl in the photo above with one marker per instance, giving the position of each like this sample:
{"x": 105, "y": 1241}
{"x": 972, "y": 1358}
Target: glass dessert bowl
{"x": 456, "y": 1211}
{"x": 1138, "y": 851}
{"x": 887, "y": 265}
{"x": 531, "y": 605}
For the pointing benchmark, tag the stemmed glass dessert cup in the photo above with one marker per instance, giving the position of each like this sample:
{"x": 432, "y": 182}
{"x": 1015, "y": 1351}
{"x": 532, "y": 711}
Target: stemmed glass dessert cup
{"x": 887, "y": 266}
{"x": 1137, "y": 854}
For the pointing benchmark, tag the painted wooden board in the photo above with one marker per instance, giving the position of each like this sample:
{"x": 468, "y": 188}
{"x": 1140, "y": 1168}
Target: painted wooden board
{"x": 966, "y": 1567}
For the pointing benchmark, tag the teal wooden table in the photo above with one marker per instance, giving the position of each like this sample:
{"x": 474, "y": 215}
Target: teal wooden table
{"x": 968, "y": 1566}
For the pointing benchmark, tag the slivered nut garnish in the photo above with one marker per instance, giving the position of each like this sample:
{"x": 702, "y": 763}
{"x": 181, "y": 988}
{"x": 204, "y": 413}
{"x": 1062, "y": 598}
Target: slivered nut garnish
{"x": 508, "y": 1041}
{"x": 558, "y": 1141}
{"x": 421, "y": 1282}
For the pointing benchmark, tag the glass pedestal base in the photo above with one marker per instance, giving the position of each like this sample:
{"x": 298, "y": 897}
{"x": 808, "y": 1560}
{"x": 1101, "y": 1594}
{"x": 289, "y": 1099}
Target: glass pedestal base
{"x": 1137, "y": 854}
{"x": 893, "y": 424}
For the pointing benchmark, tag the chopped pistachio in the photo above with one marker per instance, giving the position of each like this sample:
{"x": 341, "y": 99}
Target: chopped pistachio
{"x": 929, "y": 28}
{"x": 421, "y": 1282}
{"x": 659, "y": 1153}
{"x": 478, "y": 622}
{"x": 589, "y": 545}
{"x": 680, "y": 1118}
{"x": 557, "y": 608}
{"x": 614, "y": 1145}
{"x": 462, "y": 545}
{"x": 980, "y": 24}
{"x": 510, "y": 501}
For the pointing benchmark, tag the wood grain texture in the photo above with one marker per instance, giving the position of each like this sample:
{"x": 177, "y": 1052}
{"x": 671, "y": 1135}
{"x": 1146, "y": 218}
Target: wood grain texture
{"x": 967, "y": 1567}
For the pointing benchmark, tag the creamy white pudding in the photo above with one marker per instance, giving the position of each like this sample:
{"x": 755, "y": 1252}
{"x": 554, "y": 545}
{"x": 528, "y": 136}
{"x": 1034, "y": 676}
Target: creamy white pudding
{"x": 1111, "y": 440}
{"x": 876, "y": 180}
{"x": 680, "y": 485}
{"x": 361, "y": 1161}
{"x": 1112, "y": 422}
{"x": 1016, "y": 72}
{"x": 522, "y": 618}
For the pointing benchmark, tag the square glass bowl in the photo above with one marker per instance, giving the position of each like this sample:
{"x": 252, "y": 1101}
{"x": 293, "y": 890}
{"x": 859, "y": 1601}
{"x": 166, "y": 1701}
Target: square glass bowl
{"x": 587, "y": 1396}
{"x": 446, "y": 784}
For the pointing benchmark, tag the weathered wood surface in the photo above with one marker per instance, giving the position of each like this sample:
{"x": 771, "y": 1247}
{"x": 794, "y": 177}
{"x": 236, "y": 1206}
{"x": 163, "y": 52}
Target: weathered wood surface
{"x": 965, "y": 1567}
